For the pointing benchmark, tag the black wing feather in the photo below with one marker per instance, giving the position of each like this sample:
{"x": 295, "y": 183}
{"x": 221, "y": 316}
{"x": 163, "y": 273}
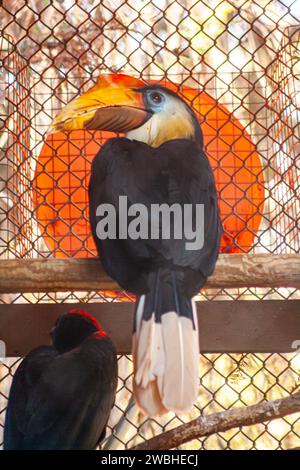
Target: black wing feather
{"x": 66, "y": 404}
{"x": 176, "y": 172}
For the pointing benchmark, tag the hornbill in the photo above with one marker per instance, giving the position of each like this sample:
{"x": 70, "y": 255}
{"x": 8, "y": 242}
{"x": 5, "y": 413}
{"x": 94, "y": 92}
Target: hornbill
{"x": 159, "y": 161}
{"x": 61, "y": 395}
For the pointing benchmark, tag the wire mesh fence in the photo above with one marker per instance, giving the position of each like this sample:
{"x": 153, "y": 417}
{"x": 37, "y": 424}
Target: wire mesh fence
{"x": 237, "y": 65}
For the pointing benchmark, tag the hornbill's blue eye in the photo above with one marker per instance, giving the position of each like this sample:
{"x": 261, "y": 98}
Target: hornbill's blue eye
{"x": 156, "y": 97}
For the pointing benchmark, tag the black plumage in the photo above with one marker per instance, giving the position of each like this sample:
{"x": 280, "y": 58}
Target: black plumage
{"x": 61, "y": 395}
{"x": 176, "y": 172}
{"x": 159, "y": 162}
{"x": 162, "y": 272}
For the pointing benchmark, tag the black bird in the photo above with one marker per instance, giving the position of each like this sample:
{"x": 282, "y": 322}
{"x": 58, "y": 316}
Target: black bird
{"x": 160, "y": 161}
{"x": 61, "y": 395}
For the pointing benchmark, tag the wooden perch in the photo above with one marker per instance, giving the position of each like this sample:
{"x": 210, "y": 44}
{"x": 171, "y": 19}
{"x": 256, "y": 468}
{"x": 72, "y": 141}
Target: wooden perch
{"x": 79, "y": 274}
{"x": 237, "y": 327}
{"x": 223, "y": 421}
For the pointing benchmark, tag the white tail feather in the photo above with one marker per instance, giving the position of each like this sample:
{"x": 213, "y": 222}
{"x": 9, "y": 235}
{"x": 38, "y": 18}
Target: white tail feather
{"x": 166, "y": 360}
{"x": 148, "y": 364}
{"x": 139, "y": 312}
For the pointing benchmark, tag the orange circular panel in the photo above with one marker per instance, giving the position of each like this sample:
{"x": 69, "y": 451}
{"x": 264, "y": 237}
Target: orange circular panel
{"x": 63, "y": 172}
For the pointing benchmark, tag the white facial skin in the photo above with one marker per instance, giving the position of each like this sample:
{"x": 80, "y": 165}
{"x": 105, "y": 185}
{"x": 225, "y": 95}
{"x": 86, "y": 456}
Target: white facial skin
{"x": 170, "y": 120}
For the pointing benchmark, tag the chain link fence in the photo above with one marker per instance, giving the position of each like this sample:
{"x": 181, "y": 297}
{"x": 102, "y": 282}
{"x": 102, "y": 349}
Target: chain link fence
{"x": 238, "y": 64}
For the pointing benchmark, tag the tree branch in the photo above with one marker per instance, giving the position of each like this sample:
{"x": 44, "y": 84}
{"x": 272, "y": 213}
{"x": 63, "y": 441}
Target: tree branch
{"x": 60, "y": 275}
{"x": 223, "y": 421}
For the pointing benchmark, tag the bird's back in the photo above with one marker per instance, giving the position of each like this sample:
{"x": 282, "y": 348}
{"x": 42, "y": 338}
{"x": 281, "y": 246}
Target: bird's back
{"x": 62, "y": 401}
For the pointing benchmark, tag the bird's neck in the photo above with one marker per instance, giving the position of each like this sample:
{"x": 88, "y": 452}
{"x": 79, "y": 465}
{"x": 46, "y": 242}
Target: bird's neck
{"x": 162, "y": 128}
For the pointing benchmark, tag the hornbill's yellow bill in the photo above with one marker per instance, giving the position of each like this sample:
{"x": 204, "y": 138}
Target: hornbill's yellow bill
{"x": 161, "y": 161}
{"x": 120, "y": 103}
{"x": 111, "y": 105}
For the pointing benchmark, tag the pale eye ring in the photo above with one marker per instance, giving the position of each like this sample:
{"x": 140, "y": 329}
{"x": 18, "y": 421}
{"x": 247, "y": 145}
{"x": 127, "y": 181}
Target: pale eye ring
{"x": 156, "y": 97}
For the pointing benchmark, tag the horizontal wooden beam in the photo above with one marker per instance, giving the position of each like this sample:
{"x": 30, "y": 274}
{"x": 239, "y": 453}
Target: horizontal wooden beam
{"x": 79, "y": 274}
{"x": 225, "y": 326}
